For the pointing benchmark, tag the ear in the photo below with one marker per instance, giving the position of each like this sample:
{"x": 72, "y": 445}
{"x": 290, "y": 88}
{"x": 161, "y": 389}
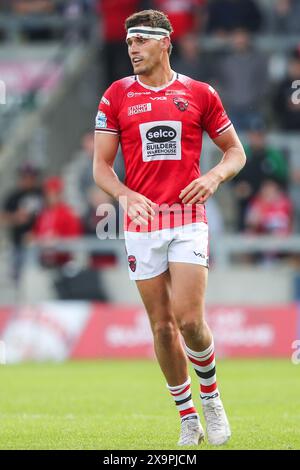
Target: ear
{"x": 165, "y": 43}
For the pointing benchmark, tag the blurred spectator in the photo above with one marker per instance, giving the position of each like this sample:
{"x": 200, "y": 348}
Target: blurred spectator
{"x": 191, "y": 61}
{"x": 96, "y": 198}
{"x": 74, "y": 11}
{"x": 244, "y": 80}
{"x": 34, "y": 8}
{"x": 78, "y": 174}
{"x": 263, "y": 163}
{"x": 113, "y": 14}
{"x": 24, "y": 7}
{"x": 270, "y": 212}
{"x": 288, "y": 110}
{"x": 86, "y": 175}
{"x": 224, "y": 16}
{"x": 186, "y": 16}
{"x": 286, "y": 17}
{"x": 295, "y": 195}
{"x": 20, "y": 209}
{"x": 56, "y": 220}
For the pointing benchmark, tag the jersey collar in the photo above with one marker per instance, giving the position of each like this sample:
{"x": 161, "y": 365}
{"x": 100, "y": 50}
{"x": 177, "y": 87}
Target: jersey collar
{"x": 158, "y": 88}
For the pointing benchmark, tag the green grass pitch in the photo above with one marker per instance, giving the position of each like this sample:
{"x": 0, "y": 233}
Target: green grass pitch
{"x": 125, "y": 405}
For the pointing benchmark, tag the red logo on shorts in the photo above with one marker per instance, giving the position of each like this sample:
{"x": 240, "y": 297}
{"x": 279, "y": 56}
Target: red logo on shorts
{"x": 132, "y": 262}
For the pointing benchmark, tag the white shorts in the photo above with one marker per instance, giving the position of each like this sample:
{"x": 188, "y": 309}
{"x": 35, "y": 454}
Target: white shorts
{"x": 148, "y": 253}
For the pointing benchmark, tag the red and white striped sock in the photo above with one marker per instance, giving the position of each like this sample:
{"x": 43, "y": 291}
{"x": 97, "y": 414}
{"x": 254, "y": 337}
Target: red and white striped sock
{"x": 205, "y": 367}
{"x": 183, "y": 400}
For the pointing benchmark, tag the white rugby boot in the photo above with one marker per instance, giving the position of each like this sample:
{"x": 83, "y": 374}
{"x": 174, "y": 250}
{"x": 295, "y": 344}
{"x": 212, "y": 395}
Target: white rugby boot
{"x": 191, "y": 433}
{"x": 217, "y": 425}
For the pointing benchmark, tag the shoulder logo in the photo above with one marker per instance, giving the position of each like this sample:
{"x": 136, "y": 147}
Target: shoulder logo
{"x": 105, "y": 101}
{"x": 181, "y": 103}
{"x": 211, "y": 89}
{"x": 101, "y": 120}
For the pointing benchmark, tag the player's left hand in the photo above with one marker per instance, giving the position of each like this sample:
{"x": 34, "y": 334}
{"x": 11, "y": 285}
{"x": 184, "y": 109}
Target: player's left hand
{"x": 200, "y": 189}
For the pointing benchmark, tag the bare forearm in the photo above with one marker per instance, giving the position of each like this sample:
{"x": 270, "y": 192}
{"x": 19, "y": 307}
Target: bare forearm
{"x": 138, "y": 207}
{"x": 106, "y": 178}
{"x": 232, "y": 162}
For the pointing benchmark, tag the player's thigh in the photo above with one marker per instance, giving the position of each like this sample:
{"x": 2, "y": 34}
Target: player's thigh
{"x": 156, "y": 296}
{"x": 188, "y": 287}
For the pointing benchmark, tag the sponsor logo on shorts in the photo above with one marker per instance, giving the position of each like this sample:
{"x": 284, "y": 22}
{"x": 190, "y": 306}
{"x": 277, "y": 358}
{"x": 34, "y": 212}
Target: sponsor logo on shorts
{"x": 101, "y": 120}
{"x": 132, "y": 262}
{"x": 139, "y": 108}
{"x": 181, "y": 103}
{"x": 200, "y": 255}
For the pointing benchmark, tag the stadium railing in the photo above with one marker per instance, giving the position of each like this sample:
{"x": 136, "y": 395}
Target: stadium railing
{"x": 233, "y": 244}
{"x": 12, "y": 26}
{"x": 252, "y": 245}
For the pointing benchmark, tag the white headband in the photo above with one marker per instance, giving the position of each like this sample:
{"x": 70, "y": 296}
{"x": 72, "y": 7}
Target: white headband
{"x": 147, "y": 32}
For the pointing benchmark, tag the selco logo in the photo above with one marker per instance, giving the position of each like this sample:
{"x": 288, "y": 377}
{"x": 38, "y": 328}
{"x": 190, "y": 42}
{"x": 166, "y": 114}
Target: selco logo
{"x": 161, "y": 134}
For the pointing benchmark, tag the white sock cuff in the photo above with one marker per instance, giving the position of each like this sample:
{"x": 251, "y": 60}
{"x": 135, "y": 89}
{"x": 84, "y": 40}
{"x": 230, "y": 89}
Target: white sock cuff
{"x": 204, "y": 353}
{"x": 175, "y": 388}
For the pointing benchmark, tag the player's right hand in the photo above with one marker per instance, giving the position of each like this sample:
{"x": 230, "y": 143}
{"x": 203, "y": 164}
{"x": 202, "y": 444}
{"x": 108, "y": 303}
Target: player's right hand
{"x": 139, "y": 208}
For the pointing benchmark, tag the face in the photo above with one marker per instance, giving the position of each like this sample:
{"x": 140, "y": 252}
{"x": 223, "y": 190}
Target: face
{"x": 270, "y": 191}
{"x": 240, "y": 40}
{"x": 145, "y": 54}
{"x": 28, "y": 181}
{"x": 52, "y": 197}
{"x": 257, "y": 139}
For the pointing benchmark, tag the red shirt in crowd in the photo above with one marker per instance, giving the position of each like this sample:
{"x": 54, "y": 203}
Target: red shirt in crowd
{"x": 113, "y": 14}
{"x": 58, "y": 221}
{"x": 54, "y": 222}
{"x": 271, "y": 216}
{"x": 181, "y": 13}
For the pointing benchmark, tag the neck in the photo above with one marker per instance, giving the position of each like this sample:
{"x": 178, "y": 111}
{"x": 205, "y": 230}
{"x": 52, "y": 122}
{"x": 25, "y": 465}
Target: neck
{"x": 158, "y": 77}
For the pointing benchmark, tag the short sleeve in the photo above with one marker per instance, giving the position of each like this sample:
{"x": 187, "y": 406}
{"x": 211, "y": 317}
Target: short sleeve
{"x": 106, "y": 119}
{"x": 214, "y": 120}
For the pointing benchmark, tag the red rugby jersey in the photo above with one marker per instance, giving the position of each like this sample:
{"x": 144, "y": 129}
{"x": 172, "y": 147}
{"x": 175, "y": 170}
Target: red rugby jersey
{"x": 160, "y": 133}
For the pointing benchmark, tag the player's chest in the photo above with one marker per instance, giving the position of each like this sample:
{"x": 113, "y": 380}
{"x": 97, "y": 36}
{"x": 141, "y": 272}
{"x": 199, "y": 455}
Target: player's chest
{"x": 143, "y": 107}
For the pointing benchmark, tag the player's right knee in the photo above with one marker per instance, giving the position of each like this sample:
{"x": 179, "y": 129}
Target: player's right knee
{"x": 165, "y": 331}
